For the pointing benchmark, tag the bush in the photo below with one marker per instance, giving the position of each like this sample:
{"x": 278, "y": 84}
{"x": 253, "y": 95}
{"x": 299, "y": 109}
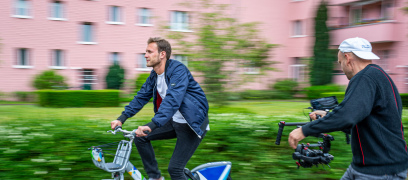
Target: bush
{"x": 264, "y": 94}
{"x": 79, "y": 98}
{"x": 49, "y": 80}
{"x": 314, "y": 92}
{"x": 339, "y": 95}
{"x": 404, "y": 98}
{"x": 286, "y": 86}
{"x": 140, "y": 80}
{"x": 24, "y": 96}
{"x": 115, "y": 77}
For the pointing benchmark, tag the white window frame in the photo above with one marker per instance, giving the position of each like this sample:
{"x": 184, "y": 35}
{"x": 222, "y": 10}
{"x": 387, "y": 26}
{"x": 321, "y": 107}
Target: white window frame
{"x": 27, "y": 60}
{"x": 84, "y": 77}
{"x": 87, "y": 29}
{"x": 298, "y": 28}
{"x": 142, "y": 15}
{"x": 353, "y": 20}
{"x": 115, "y": 15}
{"x": 61, "y": 56}
{"x": 57, "y": 11}
{"x": 180, "y": 21}
{"x": 141, "y": 63}
{"x": 114, "y": 57}
{"x": 22, "y": 6}
{"x": 181, "y": 58}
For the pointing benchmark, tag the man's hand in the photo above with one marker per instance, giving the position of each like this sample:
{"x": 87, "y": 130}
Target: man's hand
{"x": 115, "y": 123}
{"x": 140, "y": 131}
{"x": 295, "y": 136}
{"x": 317, "y": 112}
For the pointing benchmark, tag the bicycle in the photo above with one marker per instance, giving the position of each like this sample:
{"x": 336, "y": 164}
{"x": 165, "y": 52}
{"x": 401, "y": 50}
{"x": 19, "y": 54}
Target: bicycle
{"x": 121, "y": 164}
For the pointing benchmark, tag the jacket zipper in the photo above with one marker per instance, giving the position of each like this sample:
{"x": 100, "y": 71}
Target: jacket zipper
{"x": 190, "y": 126}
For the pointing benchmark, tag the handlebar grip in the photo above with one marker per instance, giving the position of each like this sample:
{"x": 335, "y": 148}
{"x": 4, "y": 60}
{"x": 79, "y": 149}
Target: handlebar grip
{"x": 146, "y": 132}
{"x": 279, "y": 136}
{"x": 117, "y": 127}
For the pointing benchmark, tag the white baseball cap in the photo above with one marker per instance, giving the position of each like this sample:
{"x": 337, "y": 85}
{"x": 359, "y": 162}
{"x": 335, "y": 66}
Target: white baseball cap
{"x": 359, "y": 46}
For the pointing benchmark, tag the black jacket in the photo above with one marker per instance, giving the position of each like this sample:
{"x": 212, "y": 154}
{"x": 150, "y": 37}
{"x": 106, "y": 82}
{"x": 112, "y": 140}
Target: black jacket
{"x": 372, "y": 108}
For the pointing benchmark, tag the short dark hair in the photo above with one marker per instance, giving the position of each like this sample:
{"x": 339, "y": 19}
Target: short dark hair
{"x": 162, "y": 45}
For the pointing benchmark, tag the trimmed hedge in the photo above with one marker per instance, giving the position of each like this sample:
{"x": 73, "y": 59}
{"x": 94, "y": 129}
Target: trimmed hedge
{"x": 404, "y": 98}
{"x": 314, "y": 92}
{"x": 339, "y": 95}
{"x": 264, "y": 94}
{"x": 78, "y": 98}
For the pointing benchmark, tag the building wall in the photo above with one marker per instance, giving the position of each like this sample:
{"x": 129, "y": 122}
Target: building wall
{"x": 277, "y": 19}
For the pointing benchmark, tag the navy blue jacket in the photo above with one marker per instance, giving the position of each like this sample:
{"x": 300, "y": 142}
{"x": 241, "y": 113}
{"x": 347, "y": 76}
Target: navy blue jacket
{"x": 372, "y": 108}
{"x": 183, "y": 94}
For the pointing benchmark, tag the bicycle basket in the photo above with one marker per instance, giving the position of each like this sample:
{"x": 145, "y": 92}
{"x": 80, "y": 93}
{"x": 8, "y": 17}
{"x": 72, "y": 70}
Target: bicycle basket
{"x": 120, "y": 158}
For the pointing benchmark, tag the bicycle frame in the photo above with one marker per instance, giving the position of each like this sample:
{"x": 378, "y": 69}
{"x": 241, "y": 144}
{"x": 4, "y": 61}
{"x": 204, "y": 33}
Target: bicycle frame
{"x": 121, "y": 164}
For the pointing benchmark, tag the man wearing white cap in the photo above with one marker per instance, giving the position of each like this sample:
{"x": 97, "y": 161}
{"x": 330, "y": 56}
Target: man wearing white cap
{"x": 372, "y": 109}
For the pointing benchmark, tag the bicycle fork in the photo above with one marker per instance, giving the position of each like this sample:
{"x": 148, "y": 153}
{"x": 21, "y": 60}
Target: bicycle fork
{"x": 133, "y": 172}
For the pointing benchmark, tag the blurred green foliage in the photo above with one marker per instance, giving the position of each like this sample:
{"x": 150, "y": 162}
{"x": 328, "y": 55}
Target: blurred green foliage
{"x": 218, "y": 44}
{"x": 115, "y": 77}
{"x": 49, "y": 80}
{"x": 51, "y": 143}
{"x": 140, "y": 80}
{"x": 321, "y": 71}
{"x": 25, "y": 96}
{"x": 78, "y": 98}
{"x": 339, "y": 95}
{"x": 314, "y": 92}
{"x": 404, "y": 98}
{"x": 286, "y": 86}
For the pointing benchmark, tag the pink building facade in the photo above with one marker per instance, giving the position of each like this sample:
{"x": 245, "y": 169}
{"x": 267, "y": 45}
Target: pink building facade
{"x": 81, "y": 39}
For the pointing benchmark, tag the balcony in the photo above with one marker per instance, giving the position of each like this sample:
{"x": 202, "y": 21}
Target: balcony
{"x": 375, "y": 32}
{"x": 350, "y": 2}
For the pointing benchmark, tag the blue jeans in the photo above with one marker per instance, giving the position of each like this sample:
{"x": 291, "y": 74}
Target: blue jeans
{"x": 187, "y": 143}
{"x": 353, "y": 174}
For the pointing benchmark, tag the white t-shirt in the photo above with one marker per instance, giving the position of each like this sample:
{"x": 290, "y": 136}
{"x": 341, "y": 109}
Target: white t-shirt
{"x": 162, "y": 89}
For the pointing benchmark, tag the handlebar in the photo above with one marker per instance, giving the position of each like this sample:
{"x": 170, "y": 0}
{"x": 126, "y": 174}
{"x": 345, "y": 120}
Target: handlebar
{"x": 125, "y": 132}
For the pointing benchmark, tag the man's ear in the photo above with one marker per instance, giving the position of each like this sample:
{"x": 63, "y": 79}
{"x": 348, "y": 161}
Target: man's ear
{"x": 347, "y": 58}
{"x": 163, "y": 54}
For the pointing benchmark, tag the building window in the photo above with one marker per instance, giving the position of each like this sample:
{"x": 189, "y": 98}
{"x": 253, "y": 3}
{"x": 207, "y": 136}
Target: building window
{"x": 115, "y": 15}
{"x": 87, "y": 78}
{"x": 23, "y": 57}
{"x": 87, "y": 35}
{"x": 144, "y": 16}
{"x": 141, "y": 63}
{"x": 114, "y": 57}
{"x": 298, "y": 71}
{"x": 57, "y": 58}
{"x": 355, "y": 15}
{"x": 22, "y": 8}
{"x": 249, "y": 68}
{"x": 297, "y": 28}
{"x": 57, "y": 10}
{"x": 179, "y": 21}
{"x": 384, "y": 59}
{"x": 182, "y": 59}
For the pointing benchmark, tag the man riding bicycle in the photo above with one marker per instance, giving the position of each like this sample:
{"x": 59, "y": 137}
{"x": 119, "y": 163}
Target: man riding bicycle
{"x": 180, "y": 106}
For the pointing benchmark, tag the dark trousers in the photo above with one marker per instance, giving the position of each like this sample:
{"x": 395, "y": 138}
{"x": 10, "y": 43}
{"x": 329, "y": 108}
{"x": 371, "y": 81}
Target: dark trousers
{"x": 187, "y": 143}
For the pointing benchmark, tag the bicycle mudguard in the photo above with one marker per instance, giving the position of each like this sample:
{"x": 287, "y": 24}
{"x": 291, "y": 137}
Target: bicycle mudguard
{"x": 213, "y": 171}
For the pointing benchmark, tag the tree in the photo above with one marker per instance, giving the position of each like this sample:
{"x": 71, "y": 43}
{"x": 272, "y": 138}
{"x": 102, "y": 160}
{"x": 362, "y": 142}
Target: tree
{"x": 115, "y": 77}
{"x": 218, "y": 44}
{"x": 322, "y": 66}
{"x": 49, "y": 80}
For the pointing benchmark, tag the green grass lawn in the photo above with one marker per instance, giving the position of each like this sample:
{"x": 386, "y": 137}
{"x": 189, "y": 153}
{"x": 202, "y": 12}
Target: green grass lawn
{"x": 51, "y": 143}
